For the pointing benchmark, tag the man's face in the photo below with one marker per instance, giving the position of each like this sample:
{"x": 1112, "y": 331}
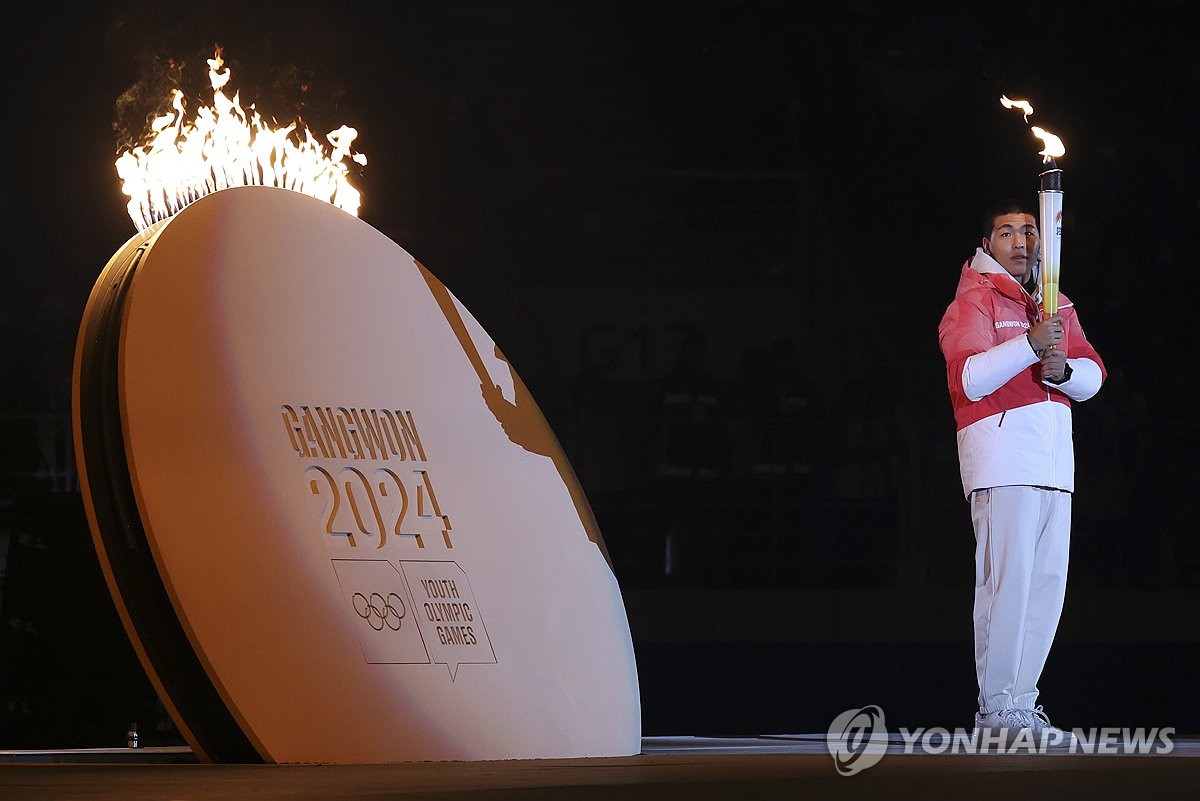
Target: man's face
{"x": 1014, "y": 244}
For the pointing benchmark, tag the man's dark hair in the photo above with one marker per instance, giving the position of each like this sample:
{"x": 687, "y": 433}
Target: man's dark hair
{"x": 1006, "y": 206}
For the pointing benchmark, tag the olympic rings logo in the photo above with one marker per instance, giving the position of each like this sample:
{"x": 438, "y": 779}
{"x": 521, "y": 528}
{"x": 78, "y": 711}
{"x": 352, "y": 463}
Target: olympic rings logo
{"x": 380, "y": 611}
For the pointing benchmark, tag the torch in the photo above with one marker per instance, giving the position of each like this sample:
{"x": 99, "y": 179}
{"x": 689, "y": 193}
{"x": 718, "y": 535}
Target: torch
{"x": 1050, "y": 210}
{"x": 1050, "y": 207}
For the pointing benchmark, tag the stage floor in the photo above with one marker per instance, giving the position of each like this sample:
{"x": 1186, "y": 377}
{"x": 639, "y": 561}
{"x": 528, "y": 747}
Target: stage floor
{"x": 696, "y": 768}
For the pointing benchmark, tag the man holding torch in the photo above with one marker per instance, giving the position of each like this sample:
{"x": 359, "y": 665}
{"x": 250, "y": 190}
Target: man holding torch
{"x": 1013, "y": 372}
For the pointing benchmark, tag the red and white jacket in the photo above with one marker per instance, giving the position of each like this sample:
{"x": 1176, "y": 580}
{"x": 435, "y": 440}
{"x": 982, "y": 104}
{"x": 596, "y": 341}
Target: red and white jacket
{"x": 1013, "y": 428}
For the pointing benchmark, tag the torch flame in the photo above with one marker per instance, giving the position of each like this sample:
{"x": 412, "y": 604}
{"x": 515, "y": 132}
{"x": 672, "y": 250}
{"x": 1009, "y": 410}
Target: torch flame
{"x": 1023, "y": 105}
{"x": 222, "y": 146}
{"x": 1053, "y": 145}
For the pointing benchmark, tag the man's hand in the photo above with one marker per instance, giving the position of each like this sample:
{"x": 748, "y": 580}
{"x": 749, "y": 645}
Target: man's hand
{"x": 1054, "y": 365}
{"x": 1046, "y": 334}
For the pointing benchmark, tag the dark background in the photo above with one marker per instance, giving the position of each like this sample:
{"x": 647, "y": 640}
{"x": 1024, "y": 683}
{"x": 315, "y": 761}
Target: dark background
{"x": 761, "y": 207}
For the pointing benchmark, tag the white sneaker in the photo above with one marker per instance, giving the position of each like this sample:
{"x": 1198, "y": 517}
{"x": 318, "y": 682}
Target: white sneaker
{"x": 1001, "y": 728}
{"x": 1006, "y": 719}
{"x": 1045, "y": 735}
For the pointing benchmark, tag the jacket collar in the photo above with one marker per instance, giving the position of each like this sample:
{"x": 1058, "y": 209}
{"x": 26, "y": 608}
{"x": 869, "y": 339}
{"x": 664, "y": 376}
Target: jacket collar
{"x": 999, "y": 278}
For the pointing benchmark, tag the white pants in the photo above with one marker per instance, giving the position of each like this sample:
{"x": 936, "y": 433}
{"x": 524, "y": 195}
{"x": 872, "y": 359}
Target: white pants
{"x": 1022, "y": 539}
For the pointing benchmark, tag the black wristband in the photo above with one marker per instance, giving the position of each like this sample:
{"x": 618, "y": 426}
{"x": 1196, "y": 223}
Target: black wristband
{"x": 1066, "y": 376}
